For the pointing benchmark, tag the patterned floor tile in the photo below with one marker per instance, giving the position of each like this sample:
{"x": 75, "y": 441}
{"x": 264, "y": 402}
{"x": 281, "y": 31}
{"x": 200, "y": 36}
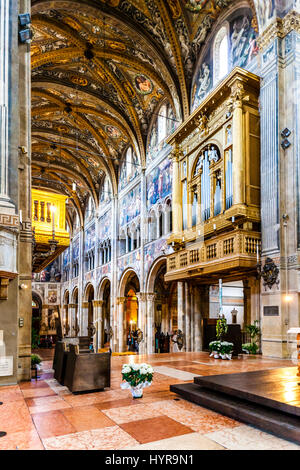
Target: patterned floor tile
{"x": 153, "y": 429}
{"x": 110, "y": 438}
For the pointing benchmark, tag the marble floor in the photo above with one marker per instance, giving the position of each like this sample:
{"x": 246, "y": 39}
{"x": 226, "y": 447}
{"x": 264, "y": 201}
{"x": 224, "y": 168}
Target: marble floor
{"x": 41, "y": 414}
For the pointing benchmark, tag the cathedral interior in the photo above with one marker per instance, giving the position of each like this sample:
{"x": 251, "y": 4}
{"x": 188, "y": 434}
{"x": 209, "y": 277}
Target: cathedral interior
{"x": 149, "y": 187}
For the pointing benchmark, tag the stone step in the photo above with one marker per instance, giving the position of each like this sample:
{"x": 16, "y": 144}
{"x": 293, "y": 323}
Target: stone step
{"x": 275, "y": 422}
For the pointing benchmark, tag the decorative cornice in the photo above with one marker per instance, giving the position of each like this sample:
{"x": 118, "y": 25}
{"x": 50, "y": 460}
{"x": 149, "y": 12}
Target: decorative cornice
{"x": 280, "y": 28}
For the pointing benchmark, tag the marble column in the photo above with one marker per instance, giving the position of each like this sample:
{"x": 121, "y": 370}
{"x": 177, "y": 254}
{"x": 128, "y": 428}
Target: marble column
{"x": 176, "y": 194}
{"x": 180, "y": 305}
{"x": 121, "y": 322}
{"x": 197, "y": 320}
{"x": 84, "y": 319}
{"x": 98, "y": 323}
{"x": 142, "y": 320}
{"x": 187, "y": 317}
{"x": 238, "y": 163}
{"x": 150, "y": 323}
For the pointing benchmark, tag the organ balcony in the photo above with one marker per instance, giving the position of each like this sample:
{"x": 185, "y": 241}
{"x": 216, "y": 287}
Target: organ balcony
{"x": 50, "y": 237}
{"x": 216, "y": 184}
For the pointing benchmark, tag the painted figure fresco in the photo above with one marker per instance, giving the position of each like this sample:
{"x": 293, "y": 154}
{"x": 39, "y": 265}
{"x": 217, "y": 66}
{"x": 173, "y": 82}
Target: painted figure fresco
{"x": 130, "y": 205}
{"x": 202, "y": 85}
{"x": 243, "y": 42}
{"x": 113, "y": 132}
{"x": 243, "y": 48}
{"x": 265, "y": 11}
{"x": 105, "y": 226}
{"x": 143, "y": 84}
{"x": 196, "y": 5}
{"x": 132, "y": 260}
{"x": 66, "y": 257}
{"x": 75, "y": 251}
{"x": 154, "y": 250}
{"x": 90, "y": 237}
{"x": 159, "y": 182}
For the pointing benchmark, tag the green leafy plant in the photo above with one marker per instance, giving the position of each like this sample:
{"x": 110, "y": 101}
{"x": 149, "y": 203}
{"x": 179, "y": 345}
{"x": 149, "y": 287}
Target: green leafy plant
{"x": 221, "y": 328}
{"x": 215, "y": 346}
{"x": 226, "y": 347}
{"x": 35, "y": 359}
{"x": 135, "y": 374}
{"x": 35, "y": 338}
{"x": 254, "y": 332}
{"x": 250, "y": 348}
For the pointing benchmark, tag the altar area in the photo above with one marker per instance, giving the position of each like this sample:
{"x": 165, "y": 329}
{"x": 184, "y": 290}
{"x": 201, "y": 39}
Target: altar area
{"x": 266, "y": 399}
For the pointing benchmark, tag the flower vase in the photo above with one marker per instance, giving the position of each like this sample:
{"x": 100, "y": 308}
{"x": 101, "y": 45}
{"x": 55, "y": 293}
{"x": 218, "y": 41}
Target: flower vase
{"x": 223, "y": 356}
{"x": 137, "y": 392}
{"x": 216, "y": 355}
{"x": 229, "y": 356}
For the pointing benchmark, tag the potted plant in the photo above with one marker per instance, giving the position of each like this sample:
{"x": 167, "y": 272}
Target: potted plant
{"x": 226, "y": 349}
{"x": 215, "y": 347}
{"x": 254, "y": 332}
{"x": 35, "y": 363}
{"x": 136, "y": 377}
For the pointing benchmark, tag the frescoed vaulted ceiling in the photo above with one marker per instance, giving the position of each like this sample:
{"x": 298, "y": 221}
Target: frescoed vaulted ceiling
{"x": 100, "y": 69}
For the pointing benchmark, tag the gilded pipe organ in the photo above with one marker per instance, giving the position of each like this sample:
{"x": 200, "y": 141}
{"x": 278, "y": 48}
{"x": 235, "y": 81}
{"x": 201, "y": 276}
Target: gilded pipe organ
{"x": 50, "y": 237}
{"x": 216, "y": 185}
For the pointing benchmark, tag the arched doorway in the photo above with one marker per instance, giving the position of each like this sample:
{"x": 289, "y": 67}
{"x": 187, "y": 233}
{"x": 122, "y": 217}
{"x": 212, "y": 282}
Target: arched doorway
{"x": 65, "y": 319}
{"x": 131, "y": 303}
{"x": 128, "y": 308}
{"x": 36, "y": 320}
{"x": 90, "y": 296}
{"x": 106, "y": 313}
{"x": 104, "y": 332}
{"x": 75, "y": 324}
{"x": 161, "y": 308}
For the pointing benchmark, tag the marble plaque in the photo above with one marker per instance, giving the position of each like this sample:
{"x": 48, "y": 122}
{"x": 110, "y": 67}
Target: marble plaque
{"x": 6, "y": 366}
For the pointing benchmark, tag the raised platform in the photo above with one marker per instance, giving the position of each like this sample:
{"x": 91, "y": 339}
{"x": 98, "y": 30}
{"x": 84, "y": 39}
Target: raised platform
{"x": 268, "y": 399}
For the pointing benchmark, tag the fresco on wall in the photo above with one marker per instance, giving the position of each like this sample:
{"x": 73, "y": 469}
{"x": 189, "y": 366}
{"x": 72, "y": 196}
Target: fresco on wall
{"x": 132, "y": 260}
{"x": 243, "y": 49}
{"x": 130, "y": 205}
{"x": 75, "y": 249}
{"x": 90, "y": 237}
{"x": 133, "y": 169}
{"x": 266, "y": 11}
{"x": 50, "y": 274}
{"x": 243, "y": 41}
{"x": 203, "y": 84}
{"x": 105, "y": 226}
{"x": 66, "y": 257}
{"x": 154, "y": 250}
{"x": 143, "y": 84}
{"x": 159, "y": 182}
{"x": 195, "y": 5}
{"x": 113, "y": 132}
{"x": 103, "y": 271}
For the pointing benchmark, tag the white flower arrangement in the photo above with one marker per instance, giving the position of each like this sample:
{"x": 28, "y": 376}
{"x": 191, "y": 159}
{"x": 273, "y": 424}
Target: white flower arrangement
{"x": 136, "y": 376}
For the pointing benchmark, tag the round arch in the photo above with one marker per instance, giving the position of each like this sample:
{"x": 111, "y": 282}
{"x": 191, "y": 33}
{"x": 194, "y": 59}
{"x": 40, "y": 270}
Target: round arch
{"x": 127, "y": 274}
{"x": 155, "y": 267}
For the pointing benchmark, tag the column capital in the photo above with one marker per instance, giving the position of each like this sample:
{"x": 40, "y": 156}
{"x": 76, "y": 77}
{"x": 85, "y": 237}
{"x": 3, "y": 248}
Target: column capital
{"x": 151, "y": 296}
{"x": 120, "y": 300}
{"x": 98, "y": 303}
{"x": 279, "y": 28}
{"x": 142, "y": 296}
{"x": 85, "y": 304}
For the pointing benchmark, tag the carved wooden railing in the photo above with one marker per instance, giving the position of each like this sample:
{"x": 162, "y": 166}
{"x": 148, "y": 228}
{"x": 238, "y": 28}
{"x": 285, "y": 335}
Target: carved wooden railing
{"x": 223, "y": 247}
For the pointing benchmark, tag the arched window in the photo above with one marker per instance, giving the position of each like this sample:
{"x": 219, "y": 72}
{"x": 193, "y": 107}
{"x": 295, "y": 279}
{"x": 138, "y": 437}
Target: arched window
{"x": 162, "y": 123}
{"x": 129, "y": 163}
{"x": 90, "y": 208}
{"x": 221, "y": 57}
